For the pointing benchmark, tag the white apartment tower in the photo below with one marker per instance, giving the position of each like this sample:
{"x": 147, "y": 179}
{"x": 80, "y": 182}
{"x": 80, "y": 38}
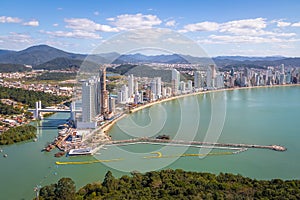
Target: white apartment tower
{"x": 130, "y": 85}
{"x": 175, "y": 81}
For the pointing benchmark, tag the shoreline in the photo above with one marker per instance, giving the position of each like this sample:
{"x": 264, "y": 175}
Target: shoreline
{"x": 107, "y": 128}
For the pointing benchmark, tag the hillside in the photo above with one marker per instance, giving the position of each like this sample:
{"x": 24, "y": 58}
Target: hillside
{"x": 5, "y": 68}
{"x": 64, "y": 63}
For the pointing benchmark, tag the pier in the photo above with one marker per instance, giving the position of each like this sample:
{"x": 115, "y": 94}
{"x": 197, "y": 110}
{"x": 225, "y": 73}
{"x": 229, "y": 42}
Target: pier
{"x": 146, "y": 140}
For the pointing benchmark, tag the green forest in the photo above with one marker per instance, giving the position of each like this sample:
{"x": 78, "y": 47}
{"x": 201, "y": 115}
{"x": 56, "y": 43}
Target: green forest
{"x": 174, "y": 184}
{"x": 18, "y": 134}
{"x": 8, "y": 109}
{"x": 56, "y": 76}
{"x": 29, "y": 97}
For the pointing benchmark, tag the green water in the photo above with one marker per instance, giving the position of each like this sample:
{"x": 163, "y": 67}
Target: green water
{"x": 257, "y": 116}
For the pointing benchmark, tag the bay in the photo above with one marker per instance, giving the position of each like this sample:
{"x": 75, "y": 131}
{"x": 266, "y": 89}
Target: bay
{"x": 252, "y": 116}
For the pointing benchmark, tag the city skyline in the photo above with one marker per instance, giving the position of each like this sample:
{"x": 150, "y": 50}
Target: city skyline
{"x": 221, "y": 28}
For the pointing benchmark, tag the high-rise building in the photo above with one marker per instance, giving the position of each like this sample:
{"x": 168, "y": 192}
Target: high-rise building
{"x": 88, "y": 101}
{"x": 153, "y": 90}
{"x": 175, "y": 81}
{"x": 282, "y": 68}
{"x": 112, "y": 105}
{"x": 130, "y": 85}
{"x": 104, "y": 93}
{"x": 189, "y": 85}
{"x": 198, "y": 80}
{"x": 136, "y": 87}
{"x": 158, "y": 86}
{"x": 124, "y": 91}
{"x": 182, "y": 86}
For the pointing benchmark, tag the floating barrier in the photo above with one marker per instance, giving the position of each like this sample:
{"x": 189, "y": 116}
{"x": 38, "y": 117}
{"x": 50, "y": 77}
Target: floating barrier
{"x": 159, "y": 154}
{"x": 87, "y": 162}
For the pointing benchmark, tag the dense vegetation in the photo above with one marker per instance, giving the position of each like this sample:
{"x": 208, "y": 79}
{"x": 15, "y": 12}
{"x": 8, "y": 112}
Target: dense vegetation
{"x": 17, "y": 134}
{"x": 175, "y": 184}
{"x": 29, "y": 97}
{"x": 122, "y": 69}
{"x": 57, "y": 76}
{"x": 5, "y": 68}
{"x": 8, "y": 109}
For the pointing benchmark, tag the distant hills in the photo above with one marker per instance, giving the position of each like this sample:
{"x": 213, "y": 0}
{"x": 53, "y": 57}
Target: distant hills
{"x": 46, "y": 57}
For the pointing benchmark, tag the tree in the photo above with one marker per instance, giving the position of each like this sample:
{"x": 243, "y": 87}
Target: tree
{"x": 65, "y": 189}
{"x": 47, "y": 192}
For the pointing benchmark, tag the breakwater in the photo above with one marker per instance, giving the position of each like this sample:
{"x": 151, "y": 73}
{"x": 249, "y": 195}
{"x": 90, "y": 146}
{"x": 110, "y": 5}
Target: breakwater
{"x": 146, "y": 140}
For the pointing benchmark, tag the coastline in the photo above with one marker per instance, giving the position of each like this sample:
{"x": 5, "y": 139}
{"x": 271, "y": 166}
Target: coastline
{"x": 108, "y": 126}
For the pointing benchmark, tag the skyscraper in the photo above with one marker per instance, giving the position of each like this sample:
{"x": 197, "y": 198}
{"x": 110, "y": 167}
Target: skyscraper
{"x": 104, "y": 93}
{"x": 198, "y": 80}
{"x": 175, "y": 81}
{"x": 88, "y": 101}
{"x": 130, "y": 85}
{"x": 112, "y": 105}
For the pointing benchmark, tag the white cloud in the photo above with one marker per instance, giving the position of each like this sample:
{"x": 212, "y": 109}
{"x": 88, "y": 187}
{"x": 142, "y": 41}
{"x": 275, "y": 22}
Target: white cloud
{"x": 245, "y": 26}
{"x": 55, "y": 24}
{"x": 283, "y": 24}
{"x": 15, "y": 38}
{"x": 297, "y": 24}
{"x": 31, "y": 23}
{"x": 137, "y": 21}
{"x": 5, "y": 19}
{"x": 87, "y": 25}
{"x": 202, "y": 26}
{"x": 228, "y": 39}
{"x": 73, "y": 34}
{"x": 96, "y": 13}
{"x": 171, "y": 23}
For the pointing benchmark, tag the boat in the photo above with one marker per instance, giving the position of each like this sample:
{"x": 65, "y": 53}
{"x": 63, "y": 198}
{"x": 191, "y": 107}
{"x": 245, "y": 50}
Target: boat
{"x": 163, "y": 137}
{"x": 5, "y": 155}
{"x": 80, "y": 152}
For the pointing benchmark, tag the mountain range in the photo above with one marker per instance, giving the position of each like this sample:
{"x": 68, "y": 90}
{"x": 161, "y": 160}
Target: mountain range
{"x": 47, "y": 57}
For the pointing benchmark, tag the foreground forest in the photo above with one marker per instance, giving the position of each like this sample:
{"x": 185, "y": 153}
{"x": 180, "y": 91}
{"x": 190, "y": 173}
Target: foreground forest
{"x": 175, "y": 184}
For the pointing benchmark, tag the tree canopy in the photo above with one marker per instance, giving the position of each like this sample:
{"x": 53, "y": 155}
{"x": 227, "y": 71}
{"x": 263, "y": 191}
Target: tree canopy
{"x": 179, "y": 184}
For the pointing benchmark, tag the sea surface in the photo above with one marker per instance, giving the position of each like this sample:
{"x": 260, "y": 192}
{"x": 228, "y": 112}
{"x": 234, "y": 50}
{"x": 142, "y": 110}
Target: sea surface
{"x": 252, "y": 116}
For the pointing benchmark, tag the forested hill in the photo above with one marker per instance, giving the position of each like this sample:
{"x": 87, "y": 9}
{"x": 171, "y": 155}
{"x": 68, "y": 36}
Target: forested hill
{"x": 175, "y": 184}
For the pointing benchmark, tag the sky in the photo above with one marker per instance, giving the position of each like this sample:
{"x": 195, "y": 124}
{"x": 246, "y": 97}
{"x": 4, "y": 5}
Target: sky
{"x": 219, "y": 27}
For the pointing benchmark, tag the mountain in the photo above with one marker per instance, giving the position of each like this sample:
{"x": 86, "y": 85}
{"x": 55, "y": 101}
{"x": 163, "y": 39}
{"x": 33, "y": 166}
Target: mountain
{"x": 2, "y": 52}
{"x": 63, "y": 63}
{"x": 246, "y": 58}
{"x": 40, "y": 54}
{"x": 140, "y": 58}
{"x": 46, "y": 57}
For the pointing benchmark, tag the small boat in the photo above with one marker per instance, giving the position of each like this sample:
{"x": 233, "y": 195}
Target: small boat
{"x": 35, "y": 139}
{"x": 163, "y": 137}
{"x": 5, "y": 155}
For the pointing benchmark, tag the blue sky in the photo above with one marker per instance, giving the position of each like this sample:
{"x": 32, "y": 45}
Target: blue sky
{"x": 229, "y": 27}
